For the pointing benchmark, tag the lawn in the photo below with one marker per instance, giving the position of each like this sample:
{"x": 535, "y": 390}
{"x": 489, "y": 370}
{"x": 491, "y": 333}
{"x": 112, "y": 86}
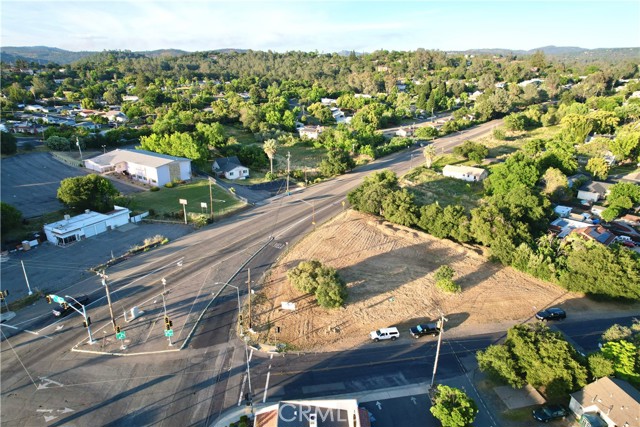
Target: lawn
{"x": 302, "y": 156}
{"x": 241, "y": 135}
{"x": 515, "y": 140}
{"x": 167, "y": 199}
{"x": 429, "y": 187}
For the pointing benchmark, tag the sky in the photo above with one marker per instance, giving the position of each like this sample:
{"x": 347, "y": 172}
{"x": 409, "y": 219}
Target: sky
{"x": 317, "y": 25}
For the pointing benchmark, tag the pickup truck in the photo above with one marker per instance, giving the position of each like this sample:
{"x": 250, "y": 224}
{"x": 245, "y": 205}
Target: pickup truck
{"x": 424, "y": 329}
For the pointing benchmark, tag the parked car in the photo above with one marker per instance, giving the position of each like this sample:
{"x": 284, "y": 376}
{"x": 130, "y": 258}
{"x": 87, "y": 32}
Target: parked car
{"x": 553, "y": 313}
{"x": 65, "y": 308}
{"x": 424, "y": 329}
{"x": 385, "y": 334}
{"x": 548, "y": 413}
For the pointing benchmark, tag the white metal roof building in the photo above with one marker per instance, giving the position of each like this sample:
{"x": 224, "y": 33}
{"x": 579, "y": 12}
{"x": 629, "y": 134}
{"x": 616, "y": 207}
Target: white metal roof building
{"x": 145, "y": 166}
{"x": 85, "y": 225}
{"x": 466, "y": 173}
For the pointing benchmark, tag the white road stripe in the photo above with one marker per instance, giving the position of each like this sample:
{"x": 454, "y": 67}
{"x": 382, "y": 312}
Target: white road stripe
{"x": 266, "y": 387}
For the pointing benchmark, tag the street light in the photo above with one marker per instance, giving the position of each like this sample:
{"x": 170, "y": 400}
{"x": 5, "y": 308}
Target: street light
{"x": 245, "y": 339}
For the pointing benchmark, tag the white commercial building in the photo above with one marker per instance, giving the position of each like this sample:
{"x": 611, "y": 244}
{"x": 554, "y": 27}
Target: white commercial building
{"x": 88, "y": 224}
{"x": 145, "y": 166}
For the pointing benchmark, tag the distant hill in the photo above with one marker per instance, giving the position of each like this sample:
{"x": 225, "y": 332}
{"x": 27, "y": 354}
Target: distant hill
{"x": 565, "y": 52}
{"x": 45, "y": 55}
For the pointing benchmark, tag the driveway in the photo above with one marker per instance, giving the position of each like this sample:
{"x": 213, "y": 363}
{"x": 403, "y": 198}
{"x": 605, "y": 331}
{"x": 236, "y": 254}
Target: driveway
{"x": 30, "y": 182}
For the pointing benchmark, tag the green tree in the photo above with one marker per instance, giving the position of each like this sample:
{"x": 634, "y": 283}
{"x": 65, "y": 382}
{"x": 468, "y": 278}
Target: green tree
{"x": 211, "y": 135}
{"x": 270, "y": 148}
{"x": 399, "y": 207}
{"x": 473, "y": 151}
{"x": 624, "y": 356}
{"x": 556, "y": 185}
{"x": 321, "y": 112}
{"x": 453, "y": 408}
{"x": 10, "y": 217}
{"x": 576, "y": 127}
{"x": 626, "y": 143}
{"x": 8, "y": 143}
{"x": 324, "y": 282}
{"x": 600, "y": 366}
{"x": 92, "y": 192}
{"x": 598, "y": 167}
{"x": 337, "y": 162}
{"x": 498, "y": 361}
{"x": 426, "y": 132}
{"x": 517, "y": 170}
{"x": 429, "y": 153}
{"x": 304, "y": 277}
{"x": 369, "y": 196}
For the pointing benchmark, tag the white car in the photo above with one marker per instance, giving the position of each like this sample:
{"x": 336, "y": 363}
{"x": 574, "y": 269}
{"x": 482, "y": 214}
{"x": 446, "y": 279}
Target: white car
{"x": 385, "y": 334}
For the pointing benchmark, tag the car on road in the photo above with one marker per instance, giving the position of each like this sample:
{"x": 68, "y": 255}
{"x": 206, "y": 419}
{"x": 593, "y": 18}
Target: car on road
{"x": 548, "y": 413}
{"x": 385, "y": 334}
{"x": 424, "y": 329}
{"x": 65, "y": 308}
{"x": 553, "y": 313}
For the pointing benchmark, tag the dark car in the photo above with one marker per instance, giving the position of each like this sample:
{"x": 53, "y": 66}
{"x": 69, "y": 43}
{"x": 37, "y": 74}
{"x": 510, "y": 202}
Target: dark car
{"x": 424, "y": 329}
{"x": 553, "y": 313}
{"x": 65, "y": 308}
{"x": 550, "y": 412}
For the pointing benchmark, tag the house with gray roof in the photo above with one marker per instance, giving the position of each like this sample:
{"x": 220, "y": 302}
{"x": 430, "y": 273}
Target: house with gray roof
{"x": 145, "y": 166}
{"x": 230, "y": 168}
{"x": 608, "y": 401}
{"x": 594, "y": 191}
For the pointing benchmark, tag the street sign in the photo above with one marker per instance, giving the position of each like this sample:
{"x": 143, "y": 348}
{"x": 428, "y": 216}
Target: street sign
{"x": 57, "y": 299}
{"x": 168, "y": 333}
{"x": 121, "y": 335}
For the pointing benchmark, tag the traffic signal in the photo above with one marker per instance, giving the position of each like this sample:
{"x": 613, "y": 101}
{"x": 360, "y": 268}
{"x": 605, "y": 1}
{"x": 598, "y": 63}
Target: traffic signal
{"x": 4, "y": 294}
{"x": 167, "y": 323}
{"x": 65, "y": 305}
{"x": 87, "y": 322}
{"x": 117, "y": 329}
{"x": 49, "y": 299}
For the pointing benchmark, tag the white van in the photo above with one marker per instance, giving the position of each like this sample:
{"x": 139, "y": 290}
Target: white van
{"x": 385, "y": 334}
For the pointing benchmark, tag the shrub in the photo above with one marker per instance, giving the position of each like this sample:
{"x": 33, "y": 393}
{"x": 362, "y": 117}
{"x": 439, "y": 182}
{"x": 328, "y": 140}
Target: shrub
{"x": 499, "y": 134}
{"x": 8, "y": 143}
{"x": 444, "y": 279}
{"x": 169, "y": 185}
{"x": 270, "y": 176}
{"x": 155, "y": 189}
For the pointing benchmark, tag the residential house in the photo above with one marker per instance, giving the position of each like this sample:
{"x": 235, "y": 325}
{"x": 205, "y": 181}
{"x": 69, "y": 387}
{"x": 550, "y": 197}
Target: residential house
{"x": 230, "y": 168}
{"x": 465, "y": 173}
{"x": 614, "y": 401}
{"x": 576, "y": 179}
{"x": 130, "y": 98}
{"x": 597, "y": 209}
{"x": 536, "y": 82}
{"x": 145, "y": 166}
{"x": 116, "y": 116}
{"x": 338, "y": 115}
{"x": 595, "y": 233}
{"x": 563, "y": 226}
{"x": 362, "y": 95}
{"x": 475, "y": 95}
{"x": 631, "y": 219}
{"x": 88, "y": 224}
{"x": 562, "y": 211}
{"x": 594, "y": 191}
{"x": 405, "y": 132}
{"x": 328, "y": 101}
{"x": 311, "y": 132}
{"x": 313, "y": 413}
{"x": 401, "y": 87}
{"x": 87, "y": 125}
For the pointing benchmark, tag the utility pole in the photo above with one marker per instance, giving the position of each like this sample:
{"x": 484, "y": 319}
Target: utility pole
{"x": 78, "y": 144}
{"x": 106, "y": 288}
{"x": 25, "y": 278}
{"x": 435, "y": 365}
{"x": 288, "y": 169}
{"x": 210, "y": 200}
{"x": 249, "y": 296}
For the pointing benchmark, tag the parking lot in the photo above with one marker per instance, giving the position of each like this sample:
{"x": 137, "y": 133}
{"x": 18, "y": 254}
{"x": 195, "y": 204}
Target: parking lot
{"x": 30, "y": 182}
{"x": 51, "y": 268}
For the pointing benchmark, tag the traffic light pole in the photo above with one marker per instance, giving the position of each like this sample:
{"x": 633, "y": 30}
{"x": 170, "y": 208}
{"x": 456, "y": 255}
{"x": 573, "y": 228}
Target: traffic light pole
{"x": 83, "y": 313}
{"x": 435, "y": 365}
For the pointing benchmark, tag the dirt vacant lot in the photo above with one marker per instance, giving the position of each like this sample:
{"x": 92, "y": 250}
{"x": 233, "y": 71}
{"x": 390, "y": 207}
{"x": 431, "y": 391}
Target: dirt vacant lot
{"x": 389, "y": 273}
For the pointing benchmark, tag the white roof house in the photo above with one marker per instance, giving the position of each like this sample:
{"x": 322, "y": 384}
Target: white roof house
{"x": 465, "y": 173}
{"x": 311, "y": 132}
{"x": 145, "y": 166}
{"x": 614, "y": 401}
{"x": 88, "y": 224}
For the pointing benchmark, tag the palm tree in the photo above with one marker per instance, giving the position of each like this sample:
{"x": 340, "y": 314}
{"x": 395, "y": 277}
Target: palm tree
{"x": 429, "y": 153}
{"x": 270, "y": 148}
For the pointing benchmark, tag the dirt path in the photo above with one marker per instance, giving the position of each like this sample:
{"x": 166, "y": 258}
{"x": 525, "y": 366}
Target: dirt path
{"x": 389, "y": 273}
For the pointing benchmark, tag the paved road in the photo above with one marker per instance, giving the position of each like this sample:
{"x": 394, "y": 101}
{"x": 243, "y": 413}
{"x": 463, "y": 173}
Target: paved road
{"x": 41, "y": 379}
